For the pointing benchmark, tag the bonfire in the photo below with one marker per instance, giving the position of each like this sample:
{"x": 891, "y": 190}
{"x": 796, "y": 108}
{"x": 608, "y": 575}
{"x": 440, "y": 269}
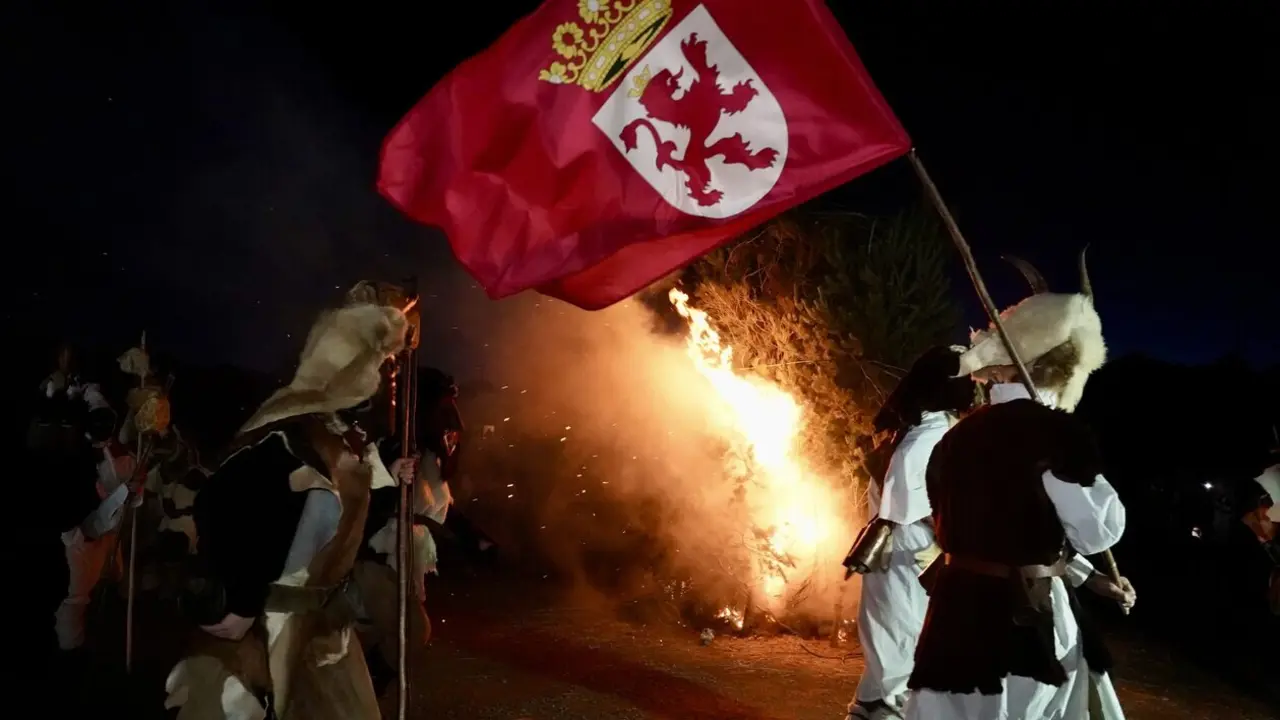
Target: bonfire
{"x": 794, "y": 523}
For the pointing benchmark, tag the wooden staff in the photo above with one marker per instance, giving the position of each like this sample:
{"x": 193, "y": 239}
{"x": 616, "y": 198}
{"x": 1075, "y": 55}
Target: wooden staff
{"x": 404, "y": 517}
{"x": 971, "y": 266}
{"x": 132, "y": 513}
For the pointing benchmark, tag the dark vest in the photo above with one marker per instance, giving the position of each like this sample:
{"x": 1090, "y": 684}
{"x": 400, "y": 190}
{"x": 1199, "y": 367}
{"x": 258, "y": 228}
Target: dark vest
{"x": 989, "y": 503}
{"x": 246, "y": 513}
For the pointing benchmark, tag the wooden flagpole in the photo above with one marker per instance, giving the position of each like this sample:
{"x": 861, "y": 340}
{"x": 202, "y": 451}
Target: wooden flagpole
{"x": 971, "y": 266}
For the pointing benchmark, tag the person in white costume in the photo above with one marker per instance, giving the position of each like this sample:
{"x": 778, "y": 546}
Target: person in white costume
{"x": 1263, "y": 518}
{"x": 926, "y": 403}
{"x": 1017, "y": 493}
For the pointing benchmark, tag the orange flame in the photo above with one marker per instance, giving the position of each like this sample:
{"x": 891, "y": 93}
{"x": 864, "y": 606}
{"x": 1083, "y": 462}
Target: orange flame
{"x": 798, "y": 518}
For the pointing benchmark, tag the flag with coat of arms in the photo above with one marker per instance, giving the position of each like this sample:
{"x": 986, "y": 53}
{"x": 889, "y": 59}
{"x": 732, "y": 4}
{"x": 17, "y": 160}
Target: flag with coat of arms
{"x": 599, "y": 145}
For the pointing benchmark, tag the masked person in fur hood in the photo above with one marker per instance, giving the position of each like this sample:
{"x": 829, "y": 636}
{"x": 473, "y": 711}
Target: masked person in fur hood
{"x": 279, "y": 526}
{"x": 1017, "y": 491}
{"x": 927, "y": 402}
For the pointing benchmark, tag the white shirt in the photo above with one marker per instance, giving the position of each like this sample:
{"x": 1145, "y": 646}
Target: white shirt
{"x": 904, "y": 498}
{"x": 1270, "y": 481}
{"x": 1093, "y": 519}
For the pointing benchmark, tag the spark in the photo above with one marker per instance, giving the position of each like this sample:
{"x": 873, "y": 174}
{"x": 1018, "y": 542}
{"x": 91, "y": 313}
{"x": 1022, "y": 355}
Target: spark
{"x": 732, "y": 616}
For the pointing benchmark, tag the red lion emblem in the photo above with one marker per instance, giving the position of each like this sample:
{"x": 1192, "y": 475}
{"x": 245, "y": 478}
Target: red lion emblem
{"x": 698, "y": 109}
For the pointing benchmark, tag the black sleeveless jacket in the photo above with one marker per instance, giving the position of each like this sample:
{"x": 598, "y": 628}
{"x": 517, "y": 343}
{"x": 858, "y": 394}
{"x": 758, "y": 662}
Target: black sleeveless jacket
{"x": 989, "y": 503}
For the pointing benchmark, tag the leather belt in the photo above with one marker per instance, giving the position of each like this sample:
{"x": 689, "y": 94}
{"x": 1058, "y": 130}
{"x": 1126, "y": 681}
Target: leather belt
{"x": 301, "y": 599}
{"x": 1000, "y": 570}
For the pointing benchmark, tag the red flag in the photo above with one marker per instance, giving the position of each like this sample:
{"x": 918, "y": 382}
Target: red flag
{"x": 601, "y": 144}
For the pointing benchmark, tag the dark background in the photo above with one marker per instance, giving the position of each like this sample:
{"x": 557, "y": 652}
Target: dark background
{"x": 205, "y": 170}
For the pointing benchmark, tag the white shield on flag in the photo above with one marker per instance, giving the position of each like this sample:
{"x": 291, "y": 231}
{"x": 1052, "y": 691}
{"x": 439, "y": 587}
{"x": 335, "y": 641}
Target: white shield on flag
{"x": 696, "y": 121}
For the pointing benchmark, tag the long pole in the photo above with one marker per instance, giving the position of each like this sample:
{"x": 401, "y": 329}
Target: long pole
{"x": 971, "y": 266}
{"x": 404, "y": 523}
{"x": 132, "y": 513}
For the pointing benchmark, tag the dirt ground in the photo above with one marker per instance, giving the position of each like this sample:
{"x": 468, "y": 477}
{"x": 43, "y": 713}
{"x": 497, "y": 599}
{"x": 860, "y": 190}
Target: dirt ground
{"x": 508, "y": 650}
{"x": 524, "y": 658}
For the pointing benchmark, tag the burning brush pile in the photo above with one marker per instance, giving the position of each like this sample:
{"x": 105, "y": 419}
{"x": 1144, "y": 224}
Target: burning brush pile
{"x": 653, "y": 471}
{"x": 790, "y": 524}
{"x": 714, "y": 473}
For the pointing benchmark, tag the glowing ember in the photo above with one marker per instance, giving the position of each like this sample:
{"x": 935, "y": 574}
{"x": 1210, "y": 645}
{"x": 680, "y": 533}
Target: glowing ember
{"x": 798, "y": 520}
{"x": 731, "y": 616}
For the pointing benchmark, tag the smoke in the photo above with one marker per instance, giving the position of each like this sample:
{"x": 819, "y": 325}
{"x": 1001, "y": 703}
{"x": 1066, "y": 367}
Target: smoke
{"x": 600, "y": 454}
{"x": 589, "y": 410}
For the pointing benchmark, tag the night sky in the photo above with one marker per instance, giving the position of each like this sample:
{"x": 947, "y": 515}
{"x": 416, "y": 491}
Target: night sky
{"x": 205, "y": 170}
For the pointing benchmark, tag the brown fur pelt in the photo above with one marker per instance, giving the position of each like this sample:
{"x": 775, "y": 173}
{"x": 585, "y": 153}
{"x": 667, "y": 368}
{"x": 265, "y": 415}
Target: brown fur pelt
{"x": 1054, "y": 368}
{"x": 367, "y": 292}
{"x": 339, "y": 366}
{"x": 245, "y": 659}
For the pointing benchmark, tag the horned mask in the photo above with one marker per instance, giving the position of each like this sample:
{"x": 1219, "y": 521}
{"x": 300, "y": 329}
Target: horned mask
{"x": 1057, "y": 335}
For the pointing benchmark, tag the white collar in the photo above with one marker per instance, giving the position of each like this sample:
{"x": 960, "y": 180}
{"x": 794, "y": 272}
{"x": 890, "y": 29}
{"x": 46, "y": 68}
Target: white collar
{"x": 1006, "y": 392}
{"x": 934, "y": 418}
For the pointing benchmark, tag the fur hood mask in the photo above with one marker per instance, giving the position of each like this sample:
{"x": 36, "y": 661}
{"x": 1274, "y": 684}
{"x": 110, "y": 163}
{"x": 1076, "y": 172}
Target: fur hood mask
{"x": 340, "y": 364}
{"x": 1058, "y": 336}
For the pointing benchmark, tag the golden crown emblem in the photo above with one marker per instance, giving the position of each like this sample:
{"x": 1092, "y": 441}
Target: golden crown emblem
{"x": 615, "y": 35}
